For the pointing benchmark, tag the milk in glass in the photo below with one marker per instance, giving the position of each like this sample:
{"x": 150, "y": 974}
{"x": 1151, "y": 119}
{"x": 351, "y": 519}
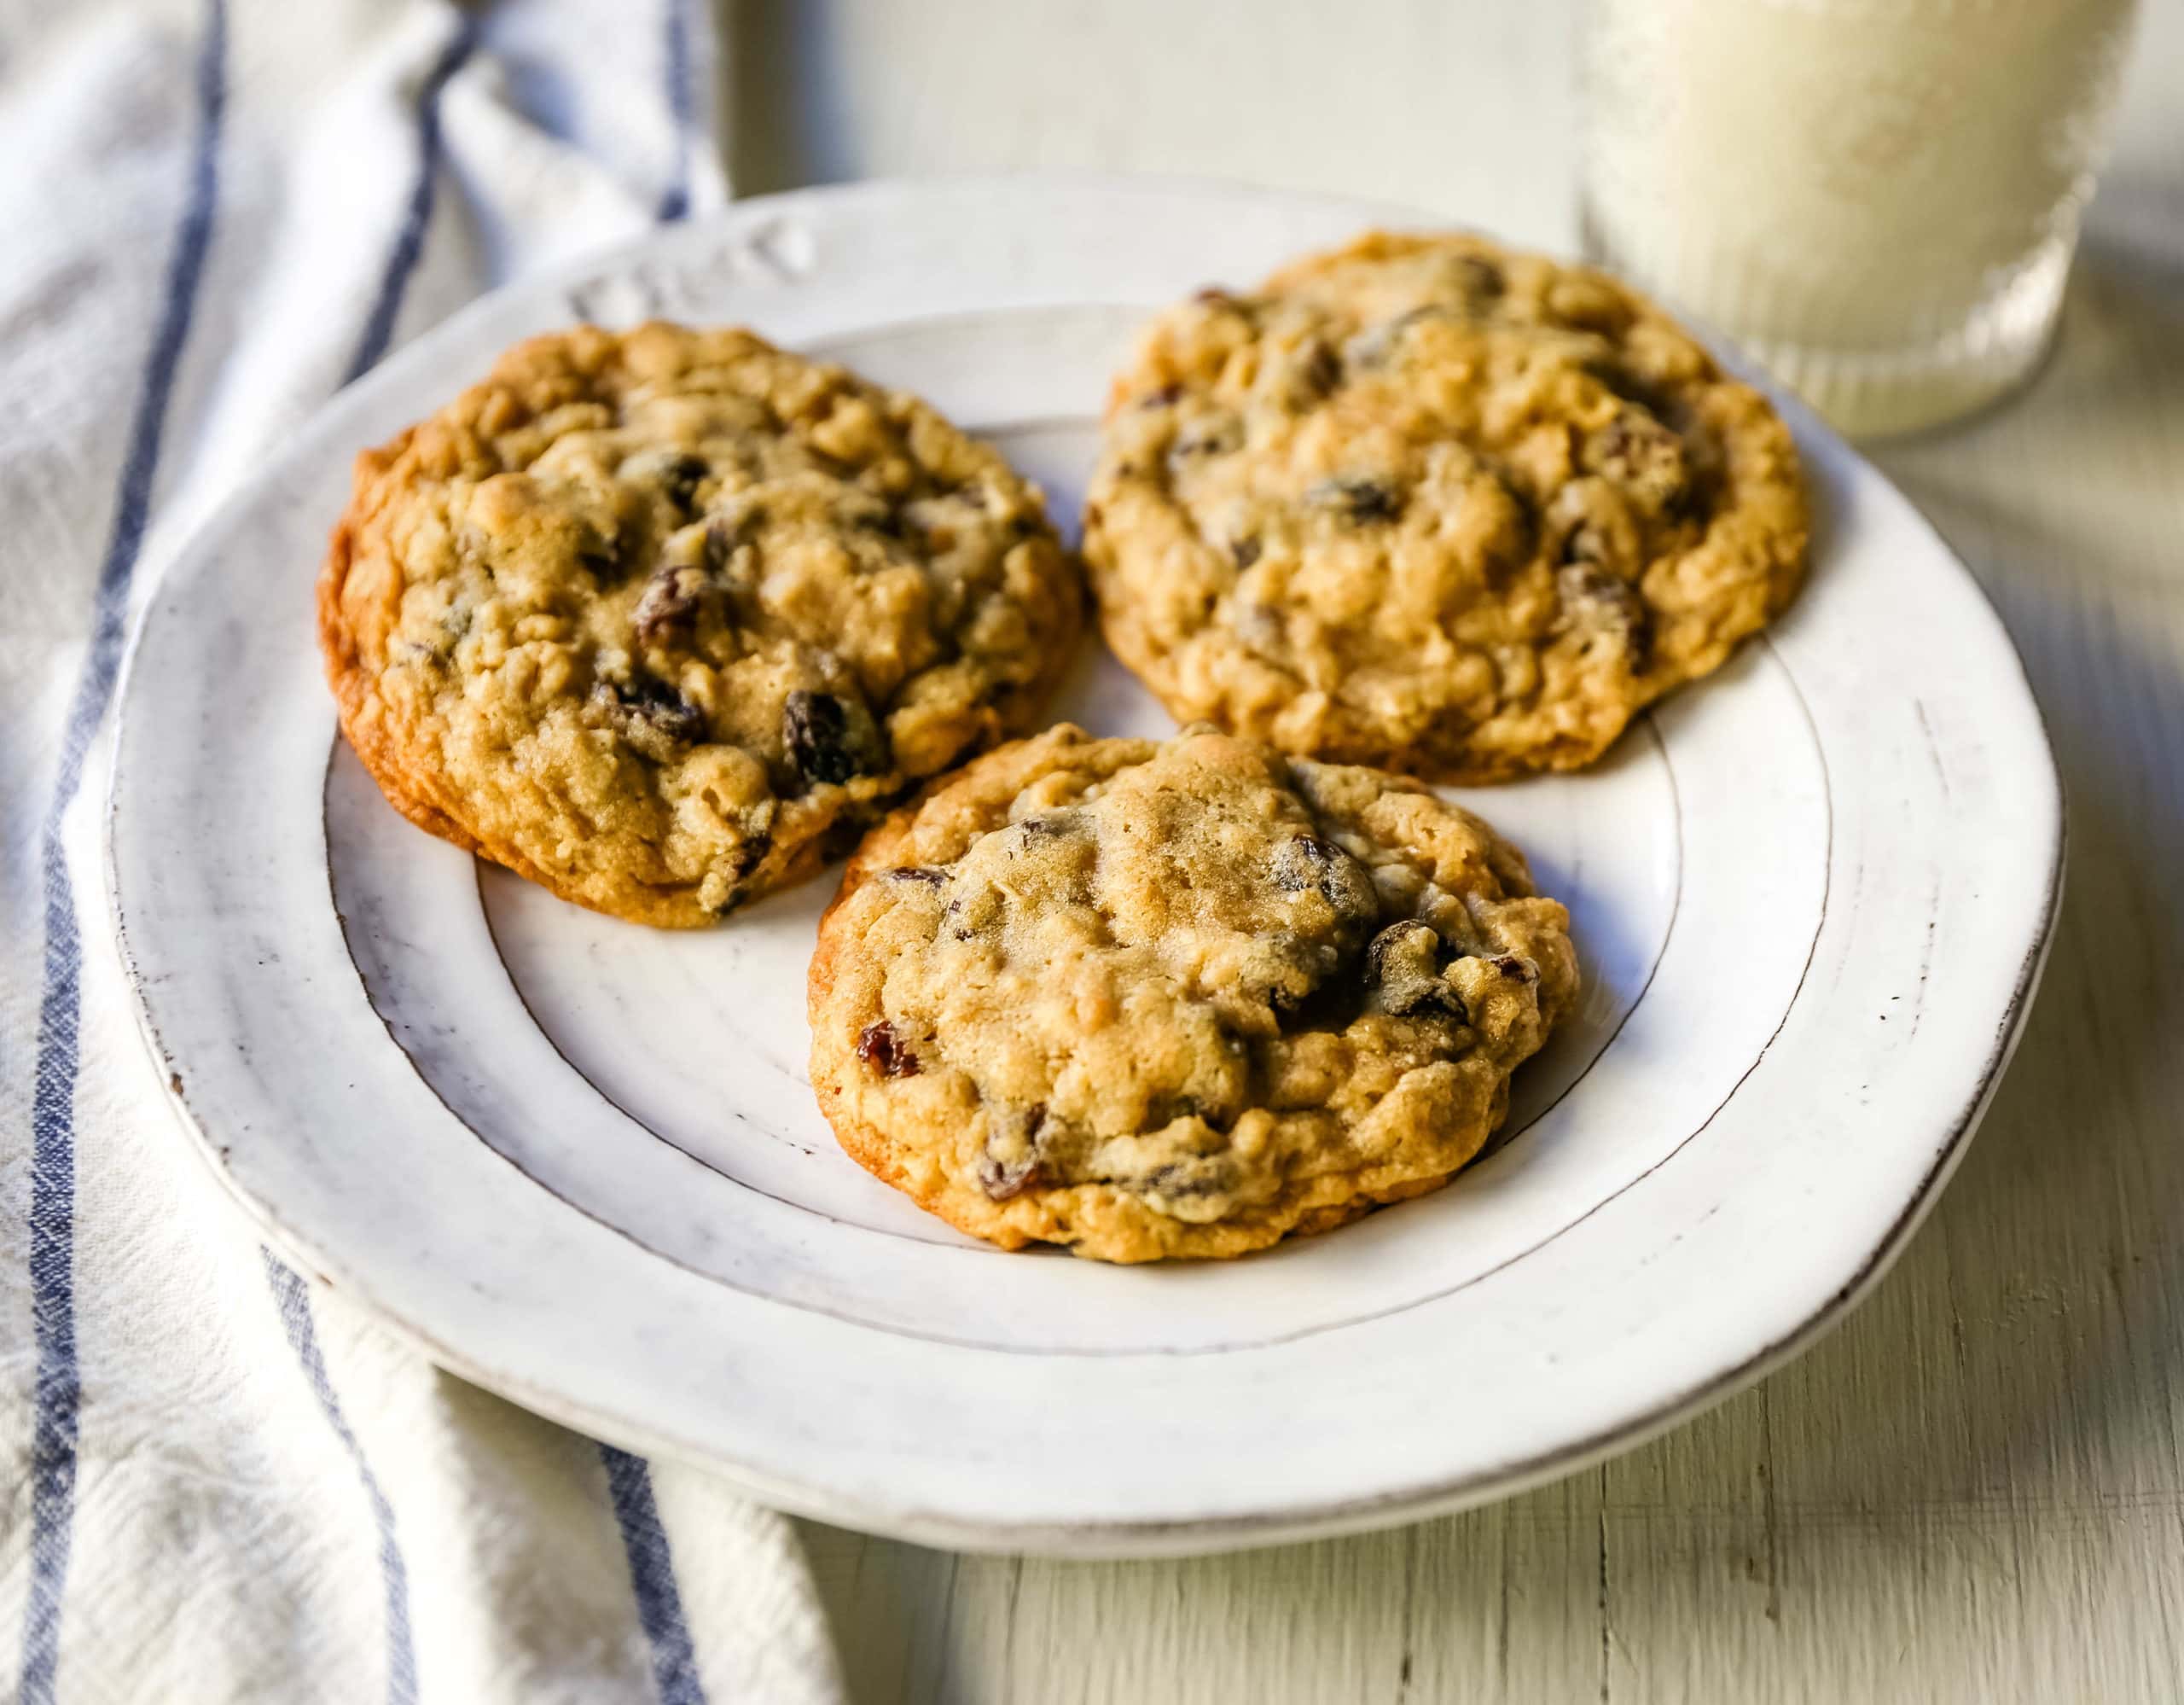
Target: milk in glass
{"x": 1877, "y": 198}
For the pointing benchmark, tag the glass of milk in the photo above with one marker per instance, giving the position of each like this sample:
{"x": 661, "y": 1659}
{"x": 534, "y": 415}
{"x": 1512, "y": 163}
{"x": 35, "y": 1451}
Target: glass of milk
{"x": 1877, "y": 198}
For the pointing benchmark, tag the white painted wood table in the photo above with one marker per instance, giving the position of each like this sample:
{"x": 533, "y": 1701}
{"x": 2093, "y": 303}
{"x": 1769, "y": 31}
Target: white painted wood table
{"x": 1975, "y": 1490}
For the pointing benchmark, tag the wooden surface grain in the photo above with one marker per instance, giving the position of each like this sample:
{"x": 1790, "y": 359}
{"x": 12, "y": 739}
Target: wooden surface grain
{"x": 1972, "y": 1492}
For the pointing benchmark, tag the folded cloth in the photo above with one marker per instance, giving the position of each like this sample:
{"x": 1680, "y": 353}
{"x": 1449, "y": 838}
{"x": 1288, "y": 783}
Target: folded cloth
{"x": 222, "y": 1482}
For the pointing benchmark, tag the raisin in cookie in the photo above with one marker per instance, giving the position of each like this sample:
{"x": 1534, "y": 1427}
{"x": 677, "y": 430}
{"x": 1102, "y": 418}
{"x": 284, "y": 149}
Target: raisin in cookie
{"x": 1182, "y": 999}
{"x": 1424, "y": 503}
{"x": 655, "y": 618}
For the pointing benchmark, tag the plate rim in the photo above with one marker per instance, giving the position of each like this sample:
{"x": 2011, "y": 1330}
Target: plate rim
{"x": 1124, "y": 1537}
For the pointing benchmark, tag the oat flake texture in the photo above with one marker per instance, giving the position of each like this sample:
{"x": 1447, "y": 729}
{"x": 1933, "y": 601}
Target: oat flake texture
{"x": 1427, "y": 503}
{"x": 660, "y": 619}
{"x": 1183, "y": 999}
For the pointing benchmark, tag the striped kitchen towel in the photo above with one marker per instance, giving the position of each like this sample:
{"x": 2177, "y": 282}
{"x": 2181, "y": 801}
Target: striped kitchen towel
{"x": 219, "y": 1482}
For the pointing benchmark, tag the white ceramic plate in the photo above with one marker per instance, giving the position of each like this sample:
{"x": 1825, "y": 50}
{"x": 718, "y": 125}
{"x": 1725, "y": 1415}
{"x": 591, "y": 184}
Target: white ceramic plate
{"x": 578, "y": 1160}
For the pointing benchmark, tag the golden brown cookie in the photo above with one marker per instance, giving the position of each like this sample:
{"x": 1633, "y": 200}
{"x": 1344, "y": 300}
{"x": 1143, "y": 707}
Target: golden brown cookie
{"x": 1176, "y": 1000}
{"x": 655, "y": 618}
{"x": 1426, "y": 503}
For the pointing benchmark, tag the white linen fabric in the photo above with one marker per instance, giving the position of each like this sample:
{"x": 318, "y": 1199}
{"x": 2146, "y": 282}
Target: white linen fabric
{"x": 218, "y": 1481}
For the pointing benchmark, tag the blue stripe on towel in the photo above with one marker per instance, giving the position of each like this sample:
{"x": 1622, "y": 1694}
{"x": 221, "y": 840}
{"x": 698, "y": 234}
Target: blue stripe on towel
{"x": 294, "y": 1304}
{"x": 682, "y": 105}
{"x": 409, "y": 240}
{"x": 59, "y": 1391}
{"x": 652, "y": 1577}
{"x": 289, "y": 1292}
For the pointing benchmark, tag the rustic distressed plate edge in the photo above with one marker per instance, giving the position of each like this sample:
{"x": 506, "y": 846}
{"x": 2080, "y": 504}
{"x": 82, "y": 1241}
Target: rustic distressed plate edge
{"x": 1149, "y": 1538}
